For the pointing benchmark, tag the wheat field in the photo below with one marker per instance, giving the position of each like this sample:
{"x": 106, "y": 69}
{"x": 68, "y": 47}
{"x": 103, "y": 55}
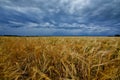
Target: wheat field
{"x": 59, "y": 58}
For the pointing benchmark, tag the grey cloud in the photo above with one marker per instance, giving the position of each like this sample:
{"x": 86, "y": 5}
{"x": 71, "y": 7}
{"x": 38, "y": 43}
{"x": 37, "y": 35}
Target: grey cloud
{"x": 89, "y": 16}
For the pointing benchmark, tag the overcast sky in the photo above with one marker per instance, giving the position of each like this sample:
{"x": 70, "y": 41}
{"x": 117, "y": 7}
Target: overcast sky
{"x": 59, "y": 17}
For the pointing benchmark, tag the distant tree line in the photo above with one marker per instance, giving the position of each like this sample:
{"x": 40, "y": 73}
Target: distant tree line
{"x": 117, "y": 35}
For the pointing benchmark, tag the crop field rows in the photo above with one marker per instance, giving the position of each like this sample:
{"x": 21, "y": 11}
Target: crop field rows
{"x": 59, "y": 58}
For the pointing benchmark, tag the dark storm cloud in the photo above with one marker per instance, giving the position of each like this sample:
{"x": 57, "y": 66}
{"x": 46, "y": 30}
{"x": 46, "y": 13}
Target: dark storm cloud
{"x": 37, "y": 17}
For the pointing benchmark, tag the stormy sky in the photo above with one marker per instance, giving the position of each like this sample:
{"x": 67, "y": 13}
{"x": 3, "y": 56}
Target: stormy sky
{"x": 59, "y": 17}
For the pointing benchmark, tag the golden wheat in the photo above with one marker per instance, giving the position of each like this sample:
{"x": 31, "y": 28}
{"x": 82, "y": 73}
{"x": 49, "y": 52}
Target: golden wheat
{"x": 59, "y": 58}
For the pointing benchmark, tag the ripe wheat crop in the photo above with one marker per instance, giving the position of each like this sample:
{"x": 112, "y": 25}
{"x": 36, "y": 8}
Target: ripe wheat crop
{"x": 59, "y": 58}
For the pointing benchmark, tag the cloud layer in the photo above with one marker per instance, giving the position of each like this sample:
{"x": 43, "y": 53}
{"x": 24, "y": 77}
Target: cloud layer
{"x": 59, "y": 17}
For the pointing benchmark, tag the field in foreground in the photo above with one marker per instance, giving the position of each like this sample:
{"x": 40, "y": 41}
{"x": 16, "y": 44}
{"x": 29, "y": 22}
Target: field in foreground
{"x": 59, "y": 58}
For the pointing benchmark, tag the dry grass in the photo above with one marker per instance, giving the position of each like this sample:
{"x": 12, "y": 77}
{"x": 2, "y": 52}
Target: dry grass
{"x": 59, "y": 58}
